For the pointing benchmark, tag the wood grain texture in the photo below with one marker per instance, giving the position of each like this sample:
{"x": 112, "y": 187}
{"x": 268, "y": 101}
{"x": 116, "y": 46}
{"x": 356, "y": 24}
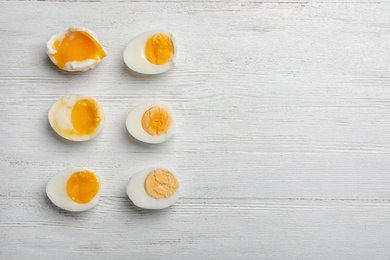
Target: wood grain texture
{"x": 283, "y": 140}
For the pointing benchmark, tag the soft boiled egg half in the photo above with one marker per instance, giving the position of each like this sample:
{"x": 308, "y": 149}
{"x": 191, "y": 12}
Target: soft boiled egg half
{"x": 76, "y": 118}
{"x": 152, "y": 122}
{"x": 152, "y": 52}
{"x": 153, "y": 188}
{"x": 76, "y": 49}
{"x": 76, "y": 189}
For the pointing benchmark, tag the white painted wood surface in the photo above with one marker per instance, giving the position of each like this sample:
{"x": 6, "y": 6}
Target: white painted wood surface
{"x": 283, "y": 140}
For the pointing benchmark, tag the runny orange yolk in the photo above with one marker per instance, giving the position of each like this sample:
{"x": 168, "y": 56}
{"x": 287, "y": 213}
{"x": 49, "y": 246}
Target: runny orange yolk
{"x": 156, "y": 121}
{"x": 159, "y": 49}
{"x": 82, "y": 186}
{"x": 85, "y": 116}
{"x": 77, "y": 46}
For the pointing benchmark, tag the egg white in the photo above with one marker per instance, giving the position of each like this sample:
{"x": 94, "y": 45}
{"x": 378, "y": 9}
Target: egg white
{"x": 134, "y": 123}
{"x": 135, "y": 190}
{"x": 62, "y": 116}
{"x": 56, "y": 191}
{"x": 72, "y": 65}
{"x": 134, "y": 54}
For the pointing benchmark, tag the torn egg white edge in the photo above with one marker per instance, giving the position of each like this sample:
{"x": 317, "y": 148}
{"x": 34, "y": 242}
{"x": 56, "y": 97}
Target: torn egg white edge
{"x": 56, "y": 191}
{"x": 134, "y": 123}
{"x": 136, "y": 192}
{"x": 134, "y": 54}
{"x": 63, "y": 119}
{"x": 73, "y": 65}
{"x": 81, "y": 65}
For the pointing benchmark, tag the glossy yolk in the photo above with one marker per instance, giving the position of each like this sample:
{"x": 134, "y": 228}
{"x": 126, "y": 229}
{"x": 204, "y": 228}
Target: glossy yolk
{"x": 156, "y": 121}
{"x": 161, "y": 184}
{"x": 77, "y": 46}
{"x": 85, "y": 116}
{"x": 159, "y": 49}
{"x": 82, "y": 186}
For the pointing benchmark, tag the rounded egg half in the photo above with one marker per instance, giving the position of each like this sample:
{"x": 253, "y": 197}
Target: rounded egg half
{"x": 152, "y": 52}
{"x": 162, "y": 193}
{"x": 76, "y": 49}
{"x": 76, "y": 117}
{"x": 152, "y": 122}
{"x": 75, "y": 189}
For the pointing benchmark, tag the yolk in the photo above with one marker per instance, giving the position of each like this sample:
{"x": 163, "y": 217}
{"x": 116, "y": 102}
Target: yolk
{"x": 82, "y": 186}
{"x": 161, "y": 184}
{"x": 85, "y": 116}
{"x": 156, "y": 121}
{"x": 77, "y": 46}
{"x": 159, "y": 49}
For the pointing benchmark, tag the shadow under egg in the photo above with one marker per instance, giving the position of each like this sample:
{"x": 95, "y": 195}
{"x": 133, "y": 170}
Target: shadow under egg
{"x": 50, "y": 204}
{"x": 133, "y": 140}
{"x": 134, "y": 74}
{"x": 56, "y": 136}
{"x": 152, "y": 213}
{"x": 142, "y": 146}
{"x": 50, "y": 65}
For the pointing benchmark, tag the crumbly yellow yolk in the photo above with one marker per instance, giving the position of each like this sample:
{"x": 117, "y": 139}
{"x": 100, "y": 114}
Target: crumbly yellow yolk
{"x": 159, "y": 49}
{"x": 161, "y": 184}
{"x": 82, "y": 186}
{"x": 85, "y": 116}
{"x": 77, "y": 46}
{"x": 156, "y": 121}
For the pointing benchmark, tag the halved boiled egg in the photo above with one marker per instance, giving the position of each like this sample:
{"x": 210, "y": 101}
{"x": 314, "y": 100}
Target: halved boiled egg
{"x": 153, "y": 188}
{"x": 76, "y": 118}
{"x": 76, "y": 49}
{"x": 151, "y": 122}
{"x": 76, "y": 189}
{"x": 152, "y": 52}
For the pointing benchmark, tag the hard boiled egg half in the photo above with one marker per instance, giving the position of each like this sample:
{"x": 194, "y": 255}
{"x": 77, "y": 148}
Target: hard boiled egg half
{"x": 76, "y": 118}
{"x": 76, "y": 49}
{"x": 152, "y": 122}
{"x": 152, "y": 52}
{"x": 153, "y": 188}
{"x": 76, "y": 189}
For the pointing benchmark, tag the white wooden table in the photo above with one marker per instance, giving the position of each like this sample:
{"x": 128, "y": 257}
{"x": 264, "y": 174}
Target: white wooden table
{"x": 283, "y": 140}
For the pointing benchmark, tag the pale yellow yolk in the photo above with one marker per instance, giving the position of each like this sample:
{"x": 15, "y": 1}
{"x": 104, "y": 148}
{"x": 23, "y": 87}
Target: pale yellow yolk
{"x": 159, "y": 49}
{"x": 156, "y": 121}
{"x": 85, "y": 116}
{"x": 161, "y": 184}
{"x": 82, "y": 186}
{"x": 77, "y": 46}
